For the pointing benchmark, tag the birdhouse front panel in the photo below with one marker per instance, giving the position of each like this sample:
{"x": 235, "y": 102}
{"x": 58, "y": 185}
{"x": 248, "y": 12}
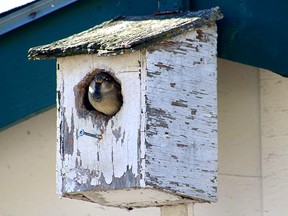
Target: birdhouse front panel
{"x": 96, "y": 151}
{"x": 181, "y": 108}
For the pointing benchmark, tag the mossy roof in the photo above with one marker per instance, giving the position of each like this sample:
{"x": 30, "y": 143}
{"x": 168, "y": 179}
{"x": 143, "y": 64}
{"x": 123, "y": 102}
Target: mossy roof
{"x": 126, "y": 34}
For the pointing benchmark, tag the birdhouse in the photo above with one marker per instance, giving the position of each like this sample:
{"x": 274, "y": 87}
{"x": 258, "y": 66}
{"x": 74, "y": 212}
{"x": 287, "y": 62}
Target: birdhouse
{"x": 160, "y": 146}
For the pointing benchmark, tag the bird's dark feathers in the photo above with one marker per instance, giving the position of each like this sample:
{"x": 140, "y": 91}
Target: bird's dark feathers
{"x": 103, "y": 77}
{"x": 97, "y": 93}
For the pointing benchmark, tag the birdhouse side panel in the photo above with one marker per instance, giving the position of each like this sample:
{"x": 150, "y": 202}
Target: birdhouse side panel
{"x": 181, "y": 114}
{"x": 97, "y": 152}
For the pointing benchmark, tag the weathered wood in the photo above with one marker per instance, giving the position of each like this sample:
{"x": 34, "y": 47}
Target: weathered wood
{"x": 88, "y": 167}
{"x": 125, "y": 34}
{"x": 181, "y": 107}
{"x": 161, "y": 147}
{"x": 86, "y": 162}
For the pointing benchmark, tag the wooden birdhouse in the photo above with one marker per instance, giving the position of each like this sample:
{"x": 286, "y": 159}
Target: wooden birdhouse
{"x": 160, "y": 148}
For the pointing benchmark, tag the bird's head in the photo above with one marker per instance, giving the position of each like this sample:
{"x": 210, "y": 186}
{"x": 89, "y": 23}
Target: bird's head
{"x": 104, "y": 81}
{"x": 105, "y": 94}
{"x": 101, "y": 84}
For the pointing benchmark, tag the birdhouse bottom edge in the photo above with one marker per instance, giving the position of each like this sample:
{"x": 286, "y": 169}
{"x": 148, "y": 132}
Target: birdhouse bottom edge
{"x": 131, "y": 197}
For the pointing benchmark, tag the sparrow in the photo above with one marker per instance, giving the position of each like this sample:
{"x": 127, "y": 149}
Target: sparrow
{"x": 104, "y": 94}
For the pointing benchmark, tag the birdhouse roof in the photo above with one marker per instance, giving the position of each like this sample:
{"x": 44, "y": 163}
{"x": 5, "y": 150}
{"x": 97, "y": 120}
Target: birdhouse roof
{"x": 126, "y": 34}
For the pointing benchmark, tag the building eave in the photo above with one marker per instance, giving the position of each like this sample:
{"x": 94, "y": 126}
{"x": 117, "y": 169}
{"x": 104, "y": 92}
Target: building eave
{"x": 30, "y": 13}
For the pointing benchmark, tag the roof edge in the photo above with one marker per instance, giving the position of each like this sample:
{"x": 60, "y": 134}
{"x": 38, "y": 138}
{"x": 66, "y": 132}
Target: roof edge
{"x": 96, "y": 41}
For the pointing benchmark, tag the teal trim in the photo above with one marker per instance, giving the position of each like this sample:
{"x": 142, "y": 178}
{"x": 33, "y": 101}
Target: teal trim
{"x": 252, "y": 32}
{"x": 28, "y": 87}
{"x": 170, "y": 5}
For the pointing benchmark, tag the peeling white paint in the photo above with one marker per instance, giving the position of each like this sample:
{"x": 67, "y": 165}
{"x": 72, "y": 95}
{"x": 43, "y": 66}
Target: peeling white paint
{"x": 94, "y": 182}
{"x": 181, "y": 138}
{"x": 143, "y": 66}
{"x": 114, "y": 154}
{"x": 165, "y": 134}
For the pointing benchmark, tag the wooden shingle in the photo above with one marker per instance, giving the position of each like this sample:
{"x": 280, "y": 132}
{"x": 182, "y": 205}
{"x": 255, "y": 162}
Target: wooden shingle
{"x": 125, "y": 34}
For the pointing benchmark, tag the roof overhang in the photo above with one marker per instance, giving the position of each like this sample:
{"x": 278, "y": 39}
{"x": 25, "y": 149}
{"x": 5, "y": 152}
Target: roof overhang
{"x": 125, "y": 34}
{"x": 29, "y": 13}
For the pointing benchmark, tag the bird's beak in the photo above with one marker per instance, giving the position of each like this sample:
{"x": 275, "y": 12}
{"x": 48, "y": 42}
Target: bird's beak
{"x": 97, "y": 86}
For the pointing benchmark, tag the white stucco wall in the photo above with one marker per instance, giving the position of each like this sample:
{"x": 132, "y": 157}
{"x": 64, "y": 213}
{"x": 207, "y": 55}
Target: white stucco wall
{"x": 274, "y": 148}
{"x": 239, "y": 183}
{"x": 253, "y": 155}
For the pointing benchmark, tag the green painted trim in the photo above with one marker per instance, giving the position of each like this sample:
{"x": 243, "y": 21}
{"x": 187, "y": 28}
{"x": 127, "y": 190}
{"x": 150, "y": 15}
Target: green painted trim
{"x": 252, "y": 32}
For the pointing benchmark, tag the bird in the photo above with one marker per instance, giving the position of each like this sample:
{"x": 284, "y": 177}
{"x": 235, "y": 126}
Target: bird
{"x": 104, "y": 94}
